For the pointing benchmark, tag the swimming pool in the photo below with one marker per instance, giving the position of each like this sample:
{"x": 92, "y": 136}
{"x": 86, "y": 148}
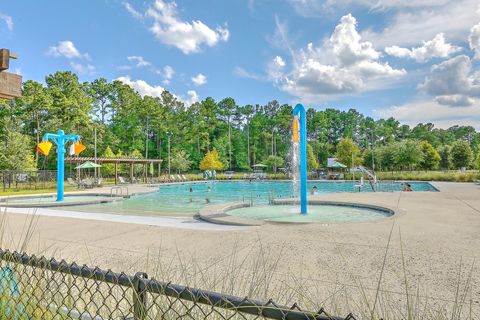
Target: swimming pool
{"x": 177, "y": 200}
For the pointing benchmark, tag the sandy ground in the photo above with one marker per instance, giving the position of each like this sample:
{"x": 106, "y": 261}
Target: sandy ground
{"x": 337, "y": 266}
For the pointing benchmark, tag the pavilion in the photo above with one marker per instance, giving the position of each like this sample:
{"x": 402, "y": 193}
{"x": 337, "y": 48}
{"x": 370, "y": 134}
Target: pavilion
{"x": 118, "y": 161}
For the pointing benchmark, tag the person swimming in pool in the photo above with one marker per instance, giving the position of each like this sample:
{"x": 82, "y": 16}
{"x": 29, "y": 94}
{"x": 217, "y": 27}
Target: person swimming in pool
{"x": 209, "y": 189}
{"x": 314, "y": 190}
{"x": 407, "y": 187}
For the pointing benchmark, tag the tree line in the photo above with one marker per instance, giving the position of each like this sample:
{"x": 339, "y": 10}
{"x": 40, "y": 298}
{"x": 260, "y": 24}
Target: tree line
{"x": 127, "y": 124}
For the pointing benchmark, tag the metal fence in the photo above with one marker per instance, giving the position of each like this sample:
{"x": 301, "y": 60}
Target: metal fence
{"x": 37, "y": 288}
{"x": 20, "y": 179}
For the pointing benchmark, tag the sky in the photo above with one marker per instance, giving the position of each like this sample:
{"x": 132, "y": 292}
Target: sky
{"x": 418, "y": 61}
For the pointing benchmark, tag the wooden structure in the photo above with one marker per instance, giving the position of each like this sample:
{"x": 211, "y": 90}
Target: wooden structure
{"x": 116, "y": 162}
{"x": 10, "y": 84}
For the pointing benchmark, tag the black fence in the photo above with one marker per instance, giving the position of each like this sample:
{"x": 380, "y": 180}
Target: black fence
{"x": 31, "y": 180}
{"x": 39, "y": 288}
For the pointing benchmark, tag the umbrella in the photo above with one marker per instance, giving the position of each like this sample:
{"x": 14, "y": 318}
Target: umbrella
{"x": 337, "y": 165}
{"x": 88, "y": 165}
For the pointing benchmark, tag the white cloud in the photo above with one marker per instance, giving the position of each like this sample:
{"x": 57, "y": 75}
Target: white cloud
{"x": 189, "y": 37}
{"x": 66, "y": 49}
{"x": 310, "y": 8}
{"x": 474, "y": 40}
{"x": 124, "y": 68}
{"x": 410, "y": 26}
{"x": 342, "y": 64}
{"x": 142, "y": 87}
{"x": 279, "y": 61}
{"x": 7, "y": 20}
{"x": 455, "y": 100}
{"x": 132, "y": 11}
{"x": 242, "y": 73}
{"x": 441, "y": 115}
{"x": 199, "y": 80}
{"x": 145, "y": 89}
{"x": 193, "y": 98}
{"x": 82, "y": 69}
{"x": 140, "y": 61}
{"x": 452, "y": 82}
{"x": 168, "y": 73}
{"x": 435, "y": 48}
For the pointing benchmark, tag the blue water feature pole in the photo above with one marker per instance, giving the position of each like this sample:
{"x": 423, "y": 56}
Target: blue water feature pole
{"x": 300, "y": 110}
{"x": 60, "y": 139}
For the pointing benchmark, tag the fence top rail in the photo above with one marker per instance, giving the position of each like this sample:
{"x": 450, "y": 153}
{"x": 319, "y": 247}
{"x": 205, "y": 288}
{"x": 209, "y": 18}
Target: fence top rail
{"x": 112, "y": 160}
{"x": 140, "y": 283}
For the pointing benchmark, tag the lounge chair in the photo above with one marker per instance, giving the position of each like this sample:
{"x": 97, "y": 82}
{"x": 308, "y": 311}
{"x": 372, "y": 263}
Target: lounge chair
{"x": 122, "y": 180}
{"x": 172, "y": 178}
{"x": 184, "y": 178}
{"x": 73, "y": 182}
{"x": 179, "y": 178}
{"x": 99, "y": 182}
{"x": 89, "y": 184}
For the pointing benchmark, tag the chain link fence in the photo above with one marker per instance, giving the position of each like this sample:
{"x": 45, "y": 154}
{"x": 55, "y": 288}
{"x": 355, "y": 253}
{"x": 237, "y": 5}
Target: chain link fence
{"x": 39, "y": 288}
{"x": 27, "y": 180}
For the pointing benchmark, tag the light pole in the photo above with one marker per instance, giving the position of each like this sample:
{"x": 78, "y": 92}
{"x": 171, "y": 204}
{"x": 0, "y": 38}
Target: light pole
{"x": 95, "y": 148}
{"x": 168, "y": 150}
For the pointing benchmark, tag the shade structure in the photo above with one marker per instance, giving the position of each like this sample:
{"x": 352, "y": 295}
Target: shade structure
{"x": 260, "y": 165}
{"x": 88, "y": 165}
{"x": 337, "y": 165}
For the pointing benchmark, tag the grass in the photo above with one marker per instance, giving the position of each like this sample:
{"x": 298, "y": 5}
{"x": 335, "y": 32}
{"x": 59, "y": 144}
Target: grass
{"x": 448, "y": 176}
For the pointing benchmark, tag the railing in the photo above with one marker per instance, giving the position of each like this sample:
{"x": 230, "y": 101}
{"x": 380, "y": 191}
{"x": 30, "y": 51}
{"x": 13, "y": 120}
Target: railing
{"x": 117, "y": 189}
{"x": 37, "y": 288}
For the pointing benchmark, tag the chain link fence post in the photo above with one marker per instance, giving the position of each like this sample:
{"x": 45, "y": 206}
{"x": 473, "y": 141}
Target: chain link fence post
{"x": 139, "y": 296}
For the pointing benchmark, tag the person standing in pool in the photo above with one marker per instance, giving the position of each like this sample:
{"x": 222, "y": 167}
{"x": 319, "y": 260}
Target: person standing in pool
{"x": 191, "y": 191}
{"x": 314, "y": 190}
{"x": 207, "y": 200}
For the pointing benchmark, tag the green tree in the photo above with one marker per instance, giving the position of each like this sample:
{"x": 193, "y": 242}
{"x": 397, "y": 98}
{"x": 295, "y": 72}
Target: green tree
{"x": 137, "y": 168}
{"x": 108, "y": 169}
{"x": 312, "y": 162}
{"x": 274, "y": 162}
{"x": 431, "y": 157}
{"x": 408, "y": 154}
{"x": 34, "y": 107}
{"x": 15, "y": 152}
{"x": 101, "y": 93}
{"x": 445, "y": 162}
{"x": 348, "y": 153}
{"x": 477, "y": 161}
{"x": 211, "y": 161}
{"x": 180, "y": 161}
{"x": 461, "y": 154}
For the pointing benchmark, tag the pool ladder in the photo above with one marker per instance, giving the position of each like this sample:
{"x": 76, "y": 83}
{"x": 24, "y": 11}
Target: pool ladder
{"x": 118, "y": 189}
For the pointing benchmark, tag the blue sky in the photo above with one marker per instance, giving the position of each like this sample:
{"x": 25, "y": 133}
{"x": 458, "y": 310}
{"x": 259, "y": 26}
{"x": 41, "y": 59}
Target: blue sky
{"x": 417, "y": 61}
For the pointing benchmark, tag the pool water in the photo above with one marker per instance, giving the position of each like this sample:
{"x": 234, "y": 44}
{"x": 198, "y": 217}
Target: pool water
{"x": 177, "y": 200}
{"x": 316, "y": 213}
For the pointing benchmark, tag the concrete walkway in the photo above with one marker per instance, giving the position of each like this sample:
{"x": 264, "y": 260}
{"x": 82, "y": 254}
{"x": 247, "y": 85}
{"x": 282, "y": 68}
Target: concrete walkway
{"x": 336, "y": 266}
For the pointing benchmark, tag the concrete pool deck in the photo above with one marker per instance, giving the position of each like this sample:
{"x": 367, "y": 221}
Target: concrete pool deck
{"x": 440, "y": 233}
